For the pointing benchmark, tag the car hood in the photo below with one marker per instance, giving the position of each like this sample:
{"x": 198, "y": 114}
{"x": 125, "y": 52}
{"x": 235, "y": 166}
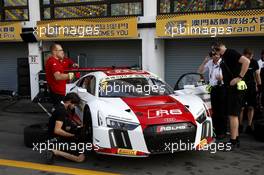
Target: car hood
{"x": 155, "y": 110}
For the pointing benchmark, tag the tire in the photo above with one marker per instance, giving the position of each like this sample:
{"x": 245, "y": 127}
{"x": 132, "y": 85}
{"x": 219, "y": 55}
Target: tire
{"x": 88, "y": 126}
{"x": 24, "y": 91}
{"x": 37, "y": 133}
{"x": 23, "y": 80}
{"x": 22, "y": 62}
{"x": 259, "y": 130}
{"x": 23, "y": 72}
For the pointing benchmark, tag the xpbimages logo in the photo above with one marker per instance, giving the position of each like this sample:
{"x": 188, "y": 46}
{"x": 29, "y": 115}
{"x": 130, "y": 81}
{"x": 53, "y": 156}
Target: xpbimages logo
{"x": 106, "y": 88}
{"x": 184, "y": 29}
{"x": 66, "y": 146}
{"x": 189, "y": 146}
{"x": 68, "y": 30}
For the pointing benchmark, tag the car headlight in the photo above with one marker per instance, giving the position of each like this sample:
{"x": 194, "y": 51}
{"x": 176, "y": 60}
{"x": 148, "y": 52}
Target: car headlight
{"x": 120, "y": 124}
{"x": 201, "y": 118}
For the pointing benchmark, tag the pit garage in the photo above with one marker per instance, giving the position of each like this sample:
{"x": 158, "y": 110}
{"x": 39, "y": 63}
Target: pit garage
{"x": 104, "y": 53}
{"x": 14, "y": 67}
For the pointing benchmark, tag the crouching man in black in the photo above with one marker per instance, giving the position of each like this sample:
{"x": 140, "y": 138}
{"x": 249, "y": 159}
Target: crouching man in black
{"x": 62, "y": 132}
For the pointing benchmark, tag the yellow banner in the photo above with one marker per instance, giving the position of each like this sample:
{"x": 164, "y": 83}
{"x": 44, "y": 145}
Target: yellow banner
{"x": 211, "y": 24}
{"x": 97, "y": 28}
{"x": 10, "y": 31}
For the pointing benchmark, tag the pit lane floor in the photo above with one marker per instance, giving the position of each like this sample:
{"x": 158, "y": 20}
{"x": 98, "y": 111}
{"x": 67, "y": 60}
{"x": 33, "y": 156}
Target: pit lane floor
{"x": 16, "y": 159}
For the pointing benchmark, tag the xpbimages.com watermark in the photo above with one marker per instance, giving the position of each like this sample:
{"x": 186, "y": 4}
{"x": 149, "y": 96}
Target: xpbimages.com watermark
{"x": 197, "y": 30}
{"x": 66, "y": 146}
{"x": 188, "y": 146}
{"x": 70, "y": 30}
{"x": 116, "y": 88}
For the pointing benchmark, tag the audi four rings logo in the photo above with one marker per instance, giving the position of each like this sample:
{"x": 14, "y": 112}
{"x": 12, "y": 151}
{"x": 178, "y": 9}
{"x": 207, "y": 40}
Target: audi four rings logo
{"x": 170, "y": 128}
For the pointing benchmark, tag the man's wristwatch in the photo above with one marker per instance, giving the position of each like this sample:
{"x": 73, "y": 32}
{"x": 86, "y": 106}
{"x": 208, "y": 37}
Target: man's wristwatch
{"x": 240, "y": 76}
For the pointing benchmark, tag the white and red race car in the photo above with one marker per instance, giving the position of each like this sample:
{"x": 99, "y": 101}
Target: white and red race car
{"x": 134, "y": 113}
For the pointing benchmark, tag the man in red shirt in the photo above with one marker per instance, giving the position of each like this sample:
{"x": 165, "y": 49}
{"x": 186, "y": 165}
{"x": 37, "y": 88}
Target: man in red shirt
{"x": 56, "y": 78}
{"x": 68, "y": 63}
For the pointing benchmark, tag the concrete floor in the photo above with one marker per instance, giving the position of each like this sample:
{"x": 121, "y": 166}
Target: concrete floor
{"x": 248, "y": 160}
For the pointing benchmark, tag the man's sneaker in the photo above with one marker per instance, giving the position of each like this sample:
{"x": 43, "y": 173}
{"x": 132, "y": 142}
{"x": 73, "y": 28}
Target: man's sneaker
{"x": 48, "y": 157}
{"x": 232, "y": 145}
{"x": 249, "y": 130}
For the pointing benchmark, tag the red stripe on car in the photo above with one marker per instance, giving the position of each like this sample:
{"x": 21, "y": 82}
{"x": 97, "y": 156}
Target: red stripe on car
{"x": 155, "y": 110}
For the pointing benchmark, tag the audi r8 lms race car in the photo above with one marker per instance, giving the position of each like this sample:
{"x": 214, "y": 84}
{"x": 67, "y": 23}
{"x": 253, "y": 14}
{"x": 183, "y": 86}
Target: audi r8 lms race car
{"x": 135, "y": 113}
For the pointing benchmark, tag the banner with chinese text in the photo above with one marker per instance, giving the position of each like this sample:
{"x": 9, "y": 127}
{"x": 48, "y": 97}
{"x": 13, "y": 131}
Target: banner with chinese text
{"x": 10, "y": 31}
{"x": 211, "y": 24}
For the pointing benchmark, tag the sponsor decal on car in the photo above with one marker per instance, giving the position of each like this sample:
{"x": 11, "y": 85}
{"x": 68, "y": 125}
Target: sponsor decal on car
{"x": 115, "y": 77}
{"x": 126, "y": 151}
{"x": 202, "y": 143}
{"x": 170, "y": 128}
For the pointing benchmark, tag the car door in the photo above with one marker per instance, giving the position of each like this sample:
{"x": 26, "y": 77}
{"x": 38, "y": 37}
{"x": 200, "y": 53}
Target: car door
{"x": 193, "y": 83}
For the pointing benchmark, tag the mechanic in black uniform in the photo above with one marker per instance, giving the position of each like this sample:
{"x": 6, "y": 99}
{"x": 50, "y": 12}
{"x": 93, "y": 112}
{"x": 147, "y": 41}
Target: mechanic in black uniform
{"x": 253, "y": 81}
{"x": 61, "y": 130}
{"x": 234, "y": 67}
{"x": 211, "y": 64}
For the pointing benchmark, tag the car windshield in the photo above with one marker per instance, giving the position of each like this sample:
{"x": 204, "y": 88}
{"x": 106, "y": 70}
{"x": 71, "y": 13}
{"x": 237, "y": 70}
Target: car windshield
{"x": 133, "y": 87}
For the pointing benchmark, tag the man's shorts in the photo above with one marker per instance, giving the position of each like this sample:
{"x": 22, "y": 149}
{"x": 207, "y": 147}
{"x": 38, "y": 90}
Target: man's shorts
{"x": 250, "y": 97}
{"x": 234, "y": 101}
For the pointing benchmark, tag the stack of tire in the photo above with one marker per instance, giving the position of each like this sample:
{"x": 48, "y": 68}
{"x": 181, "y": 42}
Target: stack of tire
{"x": 23, "y": 77}
{"x": 35, "y": 134}
{"x": 259, "y": 129}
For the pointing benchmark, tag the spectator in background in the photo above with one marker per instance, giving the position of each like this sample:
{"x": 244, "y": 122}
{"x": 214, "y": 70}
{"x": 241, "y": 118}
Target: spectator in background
{"x": 211, "y": 64}
{"x": 261, "y": 67}
{"x": 234, "y": 67}
{"x": 253, "y": 81}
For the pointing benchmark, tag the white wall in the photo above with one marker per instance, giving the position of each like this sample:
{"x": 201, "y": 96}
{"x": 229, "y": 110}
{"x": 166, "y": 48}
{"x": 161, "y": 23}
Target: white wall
{"x": 150, "y": 12}
{"x": 153, "y": 56}
{"x": 34, "y": 13}
{"x": 35, "y": 66}
{"x": 33, "y": 48}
